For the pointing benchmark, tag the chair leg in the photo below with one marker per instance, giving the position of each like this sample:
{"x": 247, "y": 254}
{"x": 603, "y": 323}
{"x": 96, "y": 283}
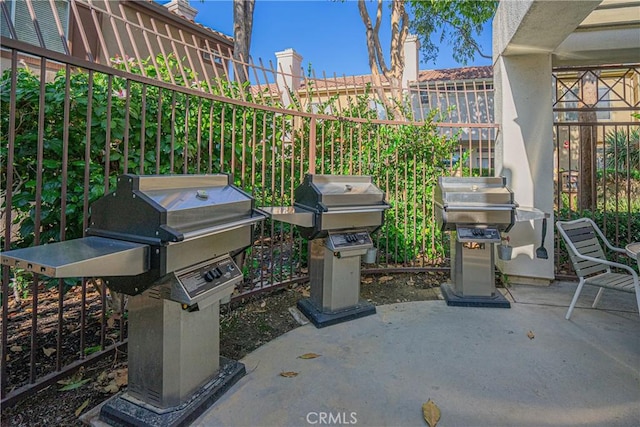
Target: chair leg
{"x": 638, "y": 301}
{"x": 597, "y": 300}
{"x": 575, "y": 299}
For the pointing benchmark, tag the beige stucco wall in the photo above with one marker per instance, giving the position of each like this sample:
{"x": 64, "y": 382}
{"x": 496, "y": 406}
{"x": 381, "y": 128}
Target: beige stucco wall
{"x": 525, "y": 35}
{"x": 524, "y": 155}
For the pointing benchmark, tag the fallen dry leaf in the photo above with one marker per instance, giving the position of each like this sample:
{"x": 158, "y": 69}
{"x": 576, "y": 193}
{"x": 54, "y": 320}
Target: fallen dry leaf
{"x": 367, "y": 280}
{"x": 112, "y": 381}
{"x": 431, "y": 413}
{"x": 305, "y": 293}
{"x": 263, "y": 304}
{"x": 531, "y": 335}
{"x": 48, "y": 351}
{"x": 102, "y": 377}
{"x": 410, "y": 282}
{"x": 384, "y": 279}
{"x": 111, "y": 322}
{"x": 122, "y": 377}
{"x": 82, "y": 408}
{"x": 308, "y": 356}
{"x": 111, "y": 388}
{"x": 288, "y": 374}
{"x": 15, "y": 348}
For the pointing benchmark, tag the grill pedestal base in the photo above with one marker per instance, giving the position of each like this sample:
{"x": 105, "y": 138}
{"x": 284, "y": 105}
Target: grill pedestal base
{"x": 322, "y": 319}
{"x": 497, "y": 300}
{"x": 124, "y": 410}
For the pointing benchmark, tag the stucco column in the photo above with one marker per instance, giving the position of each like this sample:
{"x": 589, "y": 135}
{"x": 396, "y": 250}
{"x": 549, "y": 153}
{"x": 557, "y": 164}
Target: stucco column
{"x": 524, "y": 154}
{"x": 289, "y": 73}
{"x": 411, "y": 60}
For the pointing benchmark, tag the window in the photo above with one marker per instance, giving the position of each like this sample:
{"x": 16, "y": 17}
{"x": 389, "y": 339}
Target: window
{"x": 568, "y": 100}
{"x": 461, "y": 102}
{"x": 207, "y": 56}
{"x": 604, "y": 101}
{"x": 25, "y": 29}
{"x": 379, "y": 108}
{"x": 321, "y": 108}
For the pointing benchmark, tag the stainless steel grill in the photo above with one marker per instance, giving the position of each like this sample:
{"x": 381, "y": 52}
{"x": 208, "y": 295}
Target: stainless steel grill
{"x": 168, "y": 241}
{"x": 475, "y": 211}
{"x": 337, "y": 213}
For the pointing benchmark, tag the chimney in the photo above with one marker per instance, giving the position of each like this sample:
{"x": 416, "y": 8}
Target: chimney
{"x": 182, "y": 8}
{"x": 411, "y": 60}
{"x": 289, "y": 73}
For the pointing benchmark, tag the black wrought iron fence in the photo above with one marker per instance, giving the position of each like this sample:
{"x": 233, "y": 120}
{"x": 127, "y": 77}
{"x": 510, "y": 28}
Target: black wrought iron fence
{"x": 597, "y": 128}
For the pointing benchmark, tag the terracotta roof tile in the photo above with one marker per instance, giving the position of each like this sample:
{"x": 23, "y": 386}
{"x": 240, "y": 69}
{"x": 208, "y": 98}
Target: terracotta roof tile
{"x": 456, "y": 74}
{"x": 346, "y": 82}
{"x": 342, "y": 82}
{"x": 449, "y": 74}
{"x": 271, "y": 89}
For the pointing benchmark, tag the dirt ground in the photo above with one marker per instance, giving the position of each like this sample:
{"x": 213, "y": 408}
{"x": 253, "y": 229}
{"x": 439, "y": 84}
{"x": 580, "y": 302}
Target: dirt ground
{"x": 244, "y": 327}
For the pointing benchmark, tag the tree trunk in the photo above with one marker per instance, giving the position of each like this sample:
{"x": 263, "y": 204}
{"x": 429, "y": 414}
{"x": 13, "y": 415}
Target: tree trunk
{"x": 588, "y": 138}
{"x": 399, "y": 31}
{"x": 242, "y": 27}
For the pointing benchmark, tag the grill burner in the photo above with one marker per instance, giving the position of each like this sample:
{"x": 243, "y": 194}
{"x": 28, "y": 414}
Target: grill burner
{"x": 168, "y": 242}
{"x": 475, "y": 211}
{"x": 337, "y": 213}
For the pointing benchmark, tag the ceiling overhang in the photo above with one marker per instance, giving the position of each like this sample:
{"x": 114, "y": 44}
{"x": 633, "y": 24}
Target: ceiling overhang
{"x": 589, "y": 32}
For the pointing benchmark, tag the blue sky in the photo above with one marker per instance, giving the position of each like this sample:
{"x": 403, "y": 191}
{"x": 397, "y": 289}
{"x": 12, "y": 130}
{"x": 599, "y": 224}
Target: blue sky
{"x": 328, "y": 34}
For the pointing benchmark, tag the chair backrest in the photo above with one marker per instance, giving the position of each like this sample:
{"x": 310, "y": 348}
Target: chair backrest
{"x": 581, "y": 238}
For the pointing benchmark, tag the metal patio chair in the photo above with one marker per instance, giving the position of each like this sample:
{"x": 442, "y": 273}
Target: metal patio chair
{"x": 590, "y": 263}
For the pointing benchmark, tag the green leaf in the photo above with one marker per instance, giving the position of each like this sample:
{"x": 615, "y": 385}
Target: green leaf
{"x": 91, "y": 350}
{"x": 75, "y": 385}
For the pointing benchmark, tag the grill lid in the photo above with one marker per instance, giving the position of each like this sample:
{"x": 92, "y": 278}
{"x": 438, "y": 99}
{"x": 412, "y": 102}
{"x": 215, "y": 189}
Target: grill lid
{"x": 322, "y": 193}
{"x": 170, "y": 208}
{"x": 326, "y": 203}
{"x": 480, "y": 191}
{"x": 472, "y": 201}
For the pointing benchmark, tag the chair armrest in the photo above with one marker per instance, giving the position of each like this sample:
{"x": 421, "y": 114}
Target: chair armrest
{"x": 610, "y": 264}
{"x": 621, "y": 250}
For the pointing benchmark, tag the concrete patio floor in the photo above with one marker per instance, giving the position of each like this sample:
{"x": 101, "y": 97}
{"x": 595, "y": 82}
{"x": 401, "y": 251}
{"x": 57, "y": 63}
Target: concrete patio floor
{"x": 477, "y": 364}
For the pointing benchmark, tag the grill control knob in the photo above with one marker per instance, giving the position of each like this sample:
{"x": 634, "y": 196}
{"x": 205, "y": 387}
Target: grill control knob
{"x": 208, "y": 276}
{"x": 216, "y": 272}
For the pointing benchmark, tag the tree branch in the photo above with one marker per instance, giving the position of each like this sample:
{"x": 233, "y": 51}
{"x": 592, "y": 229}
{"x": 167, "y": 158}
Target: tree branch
{"x": 399, "y": 31}
{"x": 376, "y": 59}
{"x": 465, "y": 35}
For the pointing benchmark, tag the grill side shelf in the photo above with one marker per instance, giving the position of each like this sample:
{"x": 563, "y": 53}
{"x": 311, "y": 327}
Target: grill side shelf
{"x": 290, "y": 214}
{"x": 87, "y": 257}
